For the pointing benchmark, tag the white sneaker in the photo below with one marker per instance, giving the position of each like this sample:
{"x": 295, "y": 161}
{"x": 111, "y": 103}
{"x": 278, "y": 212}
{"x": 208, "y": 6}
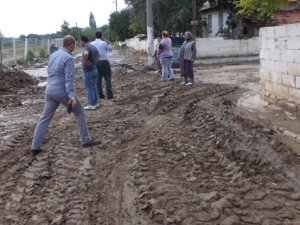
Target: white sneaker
{"x": 183, "y": 82}
{"x": 189, "y": 83}
{"x": 90, "y": 107}
{"x": 97, "y": 105}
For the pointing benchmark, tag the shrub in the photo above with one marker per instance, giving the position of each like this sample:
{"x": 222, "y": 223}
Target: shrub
{"x": 30, "y": 56}
{"x": 43, "y": 53}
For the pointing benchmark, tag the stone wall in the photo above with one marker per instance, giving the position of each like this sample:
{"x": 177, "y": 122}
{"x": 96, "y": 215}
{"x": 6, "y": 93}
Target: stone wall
{"x": 280, "y": 65}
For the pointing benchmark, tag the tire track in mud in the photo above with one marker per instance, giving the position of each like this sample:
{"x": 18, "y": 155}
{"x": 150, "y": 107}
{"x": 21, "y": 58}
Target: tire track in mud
{"x": 170, "y": 154}
{"x": 215, "y": 188}
{"x": 51, "y": 188}
{"x": 198, "y": 183}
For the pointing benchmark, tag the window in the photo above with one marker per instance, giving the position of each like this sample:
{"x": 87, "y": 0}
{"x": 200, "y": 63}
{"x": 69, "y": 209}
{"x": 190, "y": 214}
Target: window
{"x": 220, "y": 20}
{"x": 209, "y": 23}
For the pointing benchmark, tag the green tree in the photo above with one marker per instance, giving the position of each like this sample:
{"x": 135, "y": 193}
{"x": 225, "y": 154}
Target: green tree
{"x": 76, "y": 32}
{"x": 65, "y": 28}
{"x": 137, "y": 28}
{"x": 119, "y": 24}
{"x": 262, "y": 8}
{"x": 22, "y": 37}
{"x": 92, "y": 21}
{"x": 111, "y": 35}
{"x": 171, "y": 15}
{"x": 89, "y": 32}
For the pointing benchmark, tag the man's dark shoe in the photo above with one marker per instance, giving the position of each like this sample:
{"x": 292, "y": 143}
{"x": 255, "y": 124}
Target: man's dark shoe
{"x": 91, "y": 143}
{"x": 36, "y": 151}
{"x": 102, "y": 96}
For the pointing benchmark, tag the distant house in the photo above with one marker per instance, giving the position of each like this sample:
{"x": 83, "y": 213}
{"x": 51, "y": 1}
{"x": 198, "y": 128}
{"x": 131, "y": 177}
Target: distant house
{"x": 214, "y": 19}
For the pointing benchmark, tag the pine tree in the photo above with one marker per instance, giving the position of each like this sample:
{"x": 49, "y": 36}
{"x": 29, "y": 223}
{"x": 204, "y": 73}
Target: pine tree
{"x": 92, "y": 21}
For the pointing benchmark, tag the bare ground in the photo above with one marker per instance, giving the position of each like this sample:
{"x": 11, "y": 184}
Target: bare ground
{"x": 170, "y": 154}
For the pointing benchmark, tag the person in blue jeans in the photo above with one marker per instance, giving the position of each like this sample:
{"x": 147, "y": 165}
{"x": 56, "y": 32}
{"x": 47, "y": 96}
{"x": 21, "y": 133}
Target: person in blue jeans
{"x": 60, "y": 90}
{"x": 103, "y": 65}
{"x": 165, "y": 54}
{"x": 90, "y": 56}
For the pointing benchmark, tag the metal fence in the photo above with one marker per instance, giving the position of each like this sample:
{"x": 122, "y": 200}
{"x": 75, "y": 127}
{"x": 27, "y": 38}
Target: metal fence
{"x": 13, "y": 49}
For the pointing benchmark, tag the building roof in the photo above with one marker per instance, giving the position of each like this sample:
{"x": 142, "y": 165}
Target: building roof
{"x": 286, "y": 17}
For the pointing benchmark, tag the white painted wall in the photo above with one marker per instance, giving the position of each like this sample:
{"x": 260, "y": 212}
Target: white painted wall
{"x": 137, "y": 44}
{"x": 211, "y": 47}
{"x": 280, "y": 65}
{"x": 218, "y": 47}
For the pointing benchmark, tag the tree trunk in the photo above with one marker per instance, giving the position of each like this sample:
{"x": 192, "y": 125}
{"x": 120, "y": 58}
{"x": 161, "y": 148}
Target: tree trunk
{"x": 0, "y": 49}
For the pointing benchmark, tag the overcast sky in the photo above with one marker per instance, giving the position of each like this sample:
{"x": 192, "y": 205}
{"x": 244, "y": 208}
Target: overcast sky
{"x": 41, "y": 17}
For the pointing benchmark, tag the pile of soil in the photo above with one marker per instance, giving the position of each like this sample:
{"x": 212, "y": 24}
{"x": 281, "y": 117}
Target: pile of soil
{"x": 17, "y": 86}
{"x": 13, "y": 81}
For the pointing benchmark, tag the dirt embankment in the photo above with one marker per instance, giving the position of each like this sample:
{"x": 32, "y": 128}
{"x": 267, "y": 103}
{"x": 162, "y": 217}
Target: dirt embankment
{"x": 13, "y": 85}
{"x": 170, "y": 154}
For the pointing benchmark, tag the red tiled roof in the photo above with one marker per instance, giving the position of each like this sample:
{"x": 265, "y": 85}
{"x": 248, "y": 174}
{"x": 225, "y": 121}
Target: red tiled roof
{"x": 286, "y": 17}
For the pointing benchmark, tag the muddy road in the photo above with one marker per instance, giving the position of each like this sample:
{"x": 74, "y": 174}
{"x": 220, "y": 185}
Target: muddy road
{"x": 170, "y": 154}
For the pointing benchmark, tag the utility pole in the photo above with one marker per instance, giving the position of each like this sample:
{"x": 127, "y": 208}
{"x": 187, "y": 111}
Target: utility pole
{"x": 1, "y": 47}
{"x": 150, "y": 33}
{"x": 194, "y": 22}
{"x": 116, "y": 2}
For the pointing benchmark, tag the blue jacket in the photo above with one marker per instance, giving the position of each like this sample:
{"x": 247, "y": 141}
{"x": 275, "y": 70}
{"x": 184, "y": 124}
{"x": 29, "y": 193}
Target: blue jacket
{"x": 61, "y": 71}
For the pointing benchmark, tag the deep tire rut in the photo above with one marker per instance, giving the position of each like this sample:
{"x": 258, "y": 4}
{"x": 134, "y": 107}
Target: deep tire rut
{"x": 169, "y": 154}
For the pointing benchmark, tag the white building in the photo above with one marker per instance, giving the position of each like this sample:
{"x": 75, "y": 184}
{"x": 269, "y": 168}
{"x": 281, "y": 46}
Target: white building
{"x": 215, "y": 19}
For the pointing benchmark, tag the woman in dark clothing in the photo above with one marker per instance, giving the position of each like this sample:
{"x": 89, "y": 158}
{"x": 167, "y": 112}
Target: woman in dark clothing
{"x": 187, "y": 57}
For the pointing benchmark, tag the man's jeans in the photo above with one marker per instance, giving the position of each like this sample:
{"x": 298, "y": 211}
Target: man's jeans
{"x": 90, "y": 83}
{"x": 104, "y": 71}
{"x": 167, "y": 71}
{"x": 51, "y": 104}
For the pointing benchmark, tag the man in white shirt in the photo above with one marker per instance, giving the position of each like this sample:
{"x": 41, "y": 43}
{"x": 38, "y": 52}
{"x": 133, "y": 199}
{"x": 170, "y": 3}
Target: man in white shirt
{"x": 103, "y": 65}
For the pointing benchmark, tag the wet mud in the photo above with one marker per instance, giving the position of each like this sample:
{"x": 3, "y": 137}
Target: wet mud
{"x": 169, "y": 154}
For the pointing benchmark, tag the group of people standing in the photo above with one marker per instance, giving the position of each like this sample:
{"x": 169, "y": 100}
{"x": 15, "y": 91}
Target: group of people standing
{"x": 96, "y": 66}
{"x": 187, "y": 56}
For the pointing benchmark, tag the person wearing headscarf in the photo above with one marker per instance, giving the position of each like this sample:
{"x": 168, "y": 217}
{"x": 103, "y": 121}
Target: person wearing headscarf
{"x": 187, "y": 56}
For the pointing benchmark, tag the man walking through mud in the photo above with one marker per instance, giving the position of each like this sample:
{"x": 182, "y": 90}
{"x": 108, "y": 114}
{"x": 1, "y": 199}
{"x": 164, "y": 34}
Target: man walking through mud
{"x": 59, "y": 90}
{"x": 104, "y": 70}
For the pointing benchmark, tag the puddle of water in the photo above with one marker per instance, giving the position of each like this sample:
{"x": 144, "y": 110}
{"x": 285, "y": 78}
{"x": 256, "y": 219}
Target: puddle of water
{"x": 42, "y": 84}
{"x": 37, "y": 72}
{"x": 252, "y": 101}
{"x": 31, "y": 101}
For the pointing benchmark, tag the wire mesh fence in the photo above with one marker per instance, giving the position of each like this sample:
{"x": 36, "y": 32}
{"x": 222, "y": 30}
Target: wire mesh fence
{"x": 14, "y": 50}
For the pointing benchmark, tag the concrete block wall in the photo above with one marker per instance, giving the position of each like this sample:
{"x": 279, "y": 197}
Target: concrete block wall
{"x": 280, "y": 65}
{"x": 218, "y": 47}
{"x": 211, "y": 47}
{"x": 137, "y": 44}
